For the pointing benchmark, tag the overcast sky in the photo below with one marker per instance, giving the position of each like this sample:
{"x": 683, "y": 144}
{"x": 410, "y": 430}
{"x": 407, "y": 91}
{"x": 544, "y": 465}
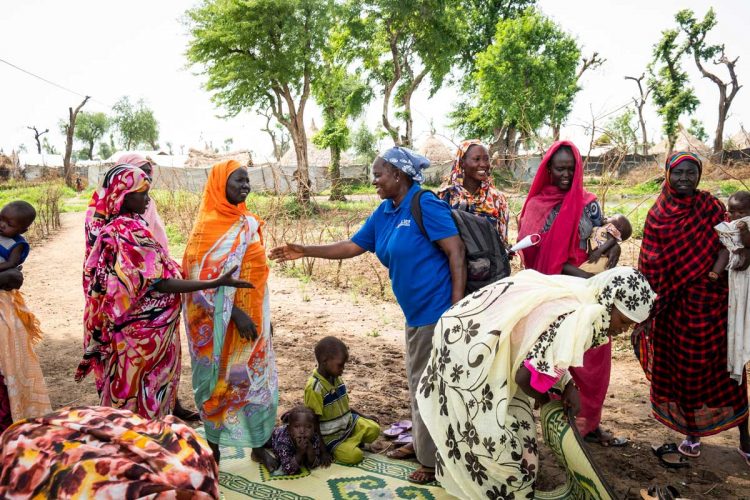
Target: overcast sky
{"x": 108, "y": 49}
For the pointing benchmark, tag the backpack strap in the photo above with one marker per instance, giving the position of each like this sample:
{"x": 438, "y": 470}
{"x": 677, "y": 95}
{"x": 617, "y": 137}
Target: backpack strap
{"x": 416, "y": 210}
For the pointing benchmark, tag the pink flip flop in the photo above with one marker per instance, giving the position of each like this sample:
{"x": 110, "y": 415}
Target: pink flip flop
{"x": 689, "y": 445}
{"x": 745, "y": 456}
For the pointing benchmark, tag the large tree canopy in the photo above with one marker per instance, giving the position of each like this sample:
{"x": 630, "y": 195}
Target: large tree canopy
{"x": 262, "y": 54}
{"x": 525, "y": 79}
{"x": 400, "y": 44}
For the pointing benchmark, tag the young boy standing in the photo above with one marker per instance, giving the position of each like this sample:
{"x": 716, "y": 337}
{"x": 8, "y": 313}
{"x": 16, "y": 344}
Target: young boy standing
{"x": 342, "y": 429}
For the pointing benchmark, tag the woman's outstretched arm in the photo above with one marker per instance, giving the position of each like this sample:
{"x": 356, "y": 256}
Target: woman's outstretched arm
{"x": 340, "y": 250}
{"x": 172, "y": 285}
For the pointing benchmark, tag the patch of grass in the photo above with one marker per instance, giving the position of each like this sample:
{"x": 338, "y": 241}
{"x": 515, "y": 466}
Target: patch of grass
{"x": 728, "y": 188}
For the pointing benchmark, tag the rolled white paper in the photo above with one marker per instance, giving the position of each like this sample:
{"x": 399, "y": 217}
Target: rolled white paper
{"x": 528, "y": 241}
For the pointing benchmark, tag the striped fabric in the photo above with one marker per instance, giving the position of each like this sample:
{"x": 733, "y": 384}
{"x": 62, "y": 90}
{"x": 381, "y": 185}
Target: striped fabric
{"x": 331, "y": 403}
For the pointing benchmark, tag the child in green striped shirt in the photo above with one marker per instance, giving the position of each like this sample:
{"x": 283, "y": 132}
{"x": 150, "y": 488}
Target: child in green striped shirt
{"x": 342, "y": 429}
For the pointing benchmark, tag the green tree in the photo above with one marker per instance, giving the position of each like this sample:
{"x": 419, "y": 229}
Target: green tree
{"x": 90, "y": 127}
{"x": 669, "y": 85}
{"x": 477, "y": 21}
{"x": 341, "y": 96}
{"x": 365, "y": 144}
{"x": 136, "y": 124}
{"x": 620, "y": 131}
{"x": 697, "y": 129}
{"x": 526, "y": 78}
{"x": 400, "y": 43}
{"x": 703, "y": 53}
{"x": 263, "y": 54}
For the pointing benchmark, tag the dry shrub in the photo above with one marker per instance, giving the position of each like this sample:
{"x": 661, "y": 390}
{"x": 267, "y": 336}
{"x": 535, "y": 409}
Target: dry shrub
{"x": 48, "y": 210}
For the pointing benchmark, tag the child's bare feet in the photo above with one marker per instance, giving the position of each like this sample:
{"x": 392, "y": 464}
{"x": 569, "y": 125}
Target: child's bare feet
{"x": 265, "y": 457}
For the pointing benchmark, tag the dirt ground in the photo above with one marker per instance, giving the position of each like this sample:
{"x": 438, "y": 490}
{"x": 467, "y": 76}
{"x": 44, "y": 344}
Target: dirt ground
{"x": 304, "y": 313}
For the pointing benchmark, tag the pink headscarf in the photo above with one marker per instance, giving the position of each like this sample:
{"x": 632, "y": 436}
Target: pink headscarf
{"x": 151, "y": 216}
{"x": 561, "y": 243}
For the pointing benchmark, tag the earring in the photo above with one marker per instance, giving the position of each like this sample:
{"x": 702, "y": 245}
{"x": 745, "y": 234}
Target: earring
{"x": 398, "y": 179}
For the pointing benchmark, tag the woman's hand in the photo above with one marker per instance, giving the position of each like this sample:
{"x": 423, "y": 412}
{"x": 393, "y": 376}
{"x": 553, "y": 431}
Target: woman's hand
{"x": 614, "y": 256}
{"x": 571, "y": 400}
{"x": 245, "y": 325}
{"x": 290, "y": 251}
{"x": 226, "y": 279}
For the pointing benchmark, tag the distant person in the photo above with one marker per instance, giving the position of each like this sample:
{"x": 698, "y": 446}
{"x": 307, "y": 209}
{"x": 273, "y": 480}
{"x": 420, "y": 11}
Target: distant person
{"x": 427, "y": 273}
{"x": 235, "y": 382}
{"x": 133, "y": 300}
{"x": 471, "y": 188}
{"x": 683, "y": 346}
{"x": 342, "y": 429}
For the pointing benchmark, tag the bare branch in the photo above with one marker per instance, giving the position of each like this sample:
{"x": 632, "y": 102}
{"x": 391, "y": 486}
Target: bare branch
{"x": 592, "y": 63}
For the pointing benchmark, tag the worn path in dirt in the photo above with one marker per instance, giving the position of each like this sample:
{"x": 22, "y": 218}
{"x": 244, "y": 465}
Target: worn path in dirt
{"x": 304, "y": 313}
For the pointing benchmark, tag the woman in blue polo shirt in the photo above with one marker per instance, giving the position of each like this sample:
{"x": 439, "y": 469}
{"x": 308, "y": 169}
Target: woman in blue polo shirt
{"x": 427, "y": 275}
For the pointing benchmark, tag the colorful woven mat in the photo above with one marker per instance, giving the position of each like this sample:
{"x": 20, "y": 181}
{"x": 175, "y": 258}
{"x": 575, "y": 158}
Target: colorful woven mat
{"x": 375, "y": 477}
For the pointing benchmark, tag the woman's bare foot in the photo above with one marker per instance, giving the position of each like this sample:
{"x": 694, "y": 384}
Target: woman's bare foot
{"x": 403, "y": 453}
{"x": 423, "y": 475}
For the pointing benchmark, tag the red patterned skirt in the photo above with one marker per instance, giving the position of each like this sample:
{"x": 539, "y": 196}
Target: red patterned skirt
{"x": 691, "y": 390}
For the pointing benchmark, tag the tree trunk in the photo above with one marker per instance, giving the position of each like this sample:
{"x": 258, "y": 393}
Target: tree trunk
{"x": 408, "y": 138}
{"x": 643, "y": 131}
{"x": 302, "y": 174}
{"x": 91, "y": 150}
{"x": 69, "y": 130}
{"x": 38, "y": 145}
{"x": 555, "y": 132}
{"x": 337, "y": 189}
{"x": 719, "y": 137}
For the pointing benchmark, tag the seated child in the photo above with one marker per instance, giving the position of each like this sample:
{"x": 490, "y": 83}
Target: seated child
{"x": 15, "y": 219}
{"x": 735, "y": 236}
{"x": 342, "y": 429}
{"x": 296, "y": 443}
{"x": 615, "y": 229}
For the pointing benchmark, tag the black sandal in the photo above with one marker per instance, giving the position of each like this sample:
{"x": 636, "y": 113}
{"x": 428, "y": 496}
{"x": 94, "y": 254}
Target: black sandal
{"x": 667, "y": 453}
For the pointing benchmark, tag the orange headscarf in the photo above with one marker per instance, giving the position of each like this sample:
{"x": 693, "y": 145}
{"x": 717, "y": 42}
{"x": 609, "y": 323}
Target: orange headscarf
{"x": 216, "y": 217}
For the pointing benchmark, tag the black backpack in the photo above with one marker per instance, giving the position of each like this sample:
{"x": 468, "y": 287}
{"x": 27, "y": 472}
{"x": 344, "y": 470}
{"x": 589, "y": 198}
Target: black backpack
{"x": 486, "y": 257}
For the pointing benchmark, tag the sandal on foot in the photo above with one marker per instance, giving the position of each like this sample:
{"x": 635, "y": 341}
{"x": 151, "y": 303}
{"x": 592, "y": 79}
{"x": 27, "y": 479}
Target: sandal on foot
{"x": 423, "y": 475}
{"x": 597, "y": 436}
{"x": 745, "y": 456}
{"x": 688, "y": 447}
{"x": 402, "y": 453}
{"x": 670, "y": 456}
